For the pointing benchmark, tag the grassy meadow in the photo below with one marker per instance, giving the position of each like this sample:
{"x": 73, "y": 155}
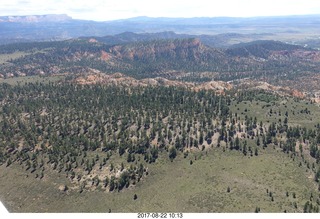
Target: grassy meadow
{"x": 176, "y": 186}
{"x": 32, "y": 79}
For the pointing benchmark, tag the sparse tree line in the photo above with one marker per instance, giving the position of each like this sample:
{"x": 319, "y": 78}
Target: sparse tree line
{"x": 63, "y": 127}
{"x": 78, "y": 129}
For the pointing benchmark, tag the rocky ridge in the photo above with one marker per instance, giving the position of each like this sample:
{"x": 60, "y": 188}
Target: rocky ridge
{"x": 123, "y": 80}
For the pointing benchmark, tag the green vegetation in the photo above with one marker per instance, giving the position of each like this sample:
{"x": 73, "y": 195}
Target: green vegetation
{"x": 113, "y": 147}
{"x": 176, "y": 59}
{"x": 177, "y": 186}
{"x": 157, "y": 149}
{"x": 53, "y": 126}
{"x": 4, "y": 58}
{"x": 32, "y": 79}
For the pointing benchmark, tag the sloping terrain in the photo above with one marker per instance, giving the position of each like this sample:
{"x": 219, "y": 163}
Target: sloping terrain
{"x": 71, "y": 147}
{"x": 223, "y": 40}
{"x": 261, "y": 49}
{"x": 166, "y": 58}
{"x": 159, "y": 122}
{"x": 274, "y": 62}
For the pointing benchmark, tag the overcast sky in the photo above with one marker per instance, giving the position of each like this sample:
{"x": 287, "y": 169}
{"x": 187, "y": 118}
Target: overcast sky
{"x": 102, "y": 10}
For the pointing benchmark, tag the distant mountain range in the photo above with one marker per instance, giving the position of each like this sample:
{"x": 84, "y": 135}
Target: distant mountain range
{"x": 59, "y": 27}
{"x": 218, "y": 40}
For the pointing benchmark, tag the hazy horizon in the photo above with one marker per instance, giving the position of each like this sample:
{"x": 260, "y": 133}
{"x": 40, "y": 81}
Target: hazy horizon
{"x": 151, "y": 17}
{"x": 100, "y": 10}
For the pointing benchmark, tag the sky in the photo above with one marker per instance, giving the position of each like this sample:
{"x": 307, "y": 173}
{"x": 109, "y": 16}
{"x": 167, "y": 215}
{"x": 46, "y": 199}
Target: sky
{"x": 103, "y": 10}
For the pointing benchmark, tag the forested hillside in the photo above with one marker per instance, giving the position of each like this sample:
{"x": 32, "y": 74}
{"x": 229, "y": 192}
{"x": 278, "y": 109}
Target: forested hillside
{"x": 65, "y": 123}
{"x": 182, "y": 59}
{"x": 202, "y": 129}
{"x": 106, "y": 137}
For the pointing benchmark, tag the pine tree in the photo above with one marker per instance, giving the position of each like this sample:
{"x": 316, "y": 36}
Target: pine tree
{"x": 258, "y": 141}
{"x": 256, "y": 152}
{"x": 172, "y": 153}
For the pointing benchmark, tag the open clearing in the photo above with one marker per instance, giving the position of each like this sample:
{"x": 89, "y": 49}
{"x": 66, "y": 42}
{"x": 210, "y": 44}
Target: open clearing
{"x": 32, "y": 79}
